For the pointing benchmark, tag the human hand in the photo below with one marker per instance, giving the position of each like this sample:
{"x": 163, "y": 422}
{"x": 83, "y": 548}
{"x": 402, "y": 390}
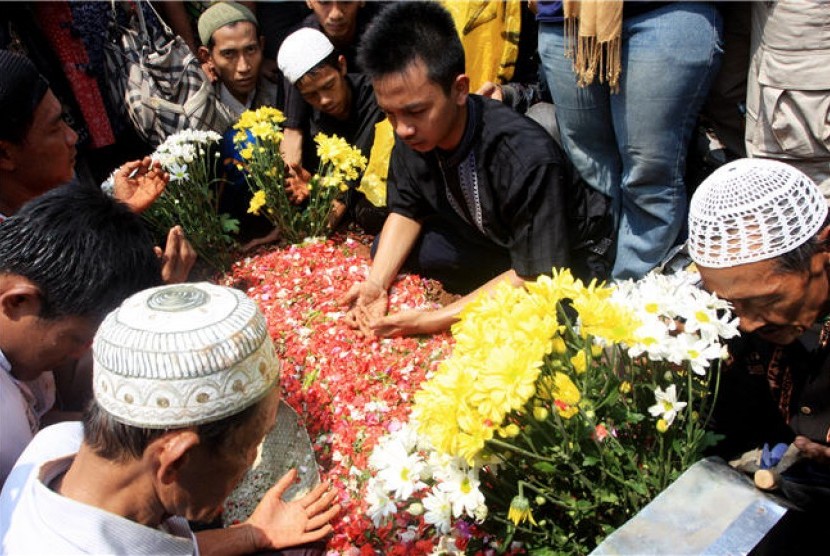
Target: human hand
{"x": 491, "y": 90}
{"x": 369, "y": 302}
{"x": 177, "y": 258}
{"x": 338, "y": 210}
{"x": 405, "y": 323}
{"x": 139, "y": 183}
{"x": 296, "y": 184}
{"x": 271, "y": 237}
{"x": 281, "y": 524}
{"x": 817, "y": 452}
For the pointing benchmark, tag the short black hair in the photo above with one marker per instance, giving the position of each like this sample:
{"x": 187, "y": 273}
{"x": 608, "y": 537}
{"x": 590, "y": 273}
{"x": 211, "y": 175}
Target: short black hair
{"x": 113, "y": 440}
{"x": 407, "y": 31}
{"x": 85, "y": 251}
{"x": 333, "y": 60}
{"x": 22, "y": 88}
{"x": 798, "y": 260}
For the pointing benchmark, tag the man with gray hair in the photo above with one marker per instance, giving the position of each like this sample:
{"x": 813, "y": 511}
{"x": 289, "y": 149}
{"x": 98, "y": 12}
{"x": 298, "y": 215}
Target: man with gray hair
{"x": 186, "y": 384}
{"x": 758, "y": 233}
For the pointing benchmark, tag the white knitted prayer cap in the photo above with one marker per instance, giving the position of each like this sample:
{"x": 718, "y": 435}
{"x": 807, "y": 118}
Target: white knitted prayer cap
{"x": 752, "y": 210}
{"x": 182, "y": 355}
{"x": 302, "y": 50}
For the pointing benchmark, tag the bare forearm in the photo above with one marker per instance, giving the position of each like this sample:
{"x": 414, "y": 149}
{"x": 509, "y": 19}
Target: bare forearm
{"x": 398, "y": 236}
{"x": 448, "y": 314}
{"x": 231, "y": 541}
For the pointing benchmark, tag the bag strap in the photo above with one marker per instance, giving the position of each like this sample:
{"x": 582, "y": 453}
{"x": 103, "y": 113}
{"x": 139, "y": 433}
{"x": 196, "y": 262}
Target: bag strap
{"x": 142, "y": 23}
{"x": 161, "y": 21}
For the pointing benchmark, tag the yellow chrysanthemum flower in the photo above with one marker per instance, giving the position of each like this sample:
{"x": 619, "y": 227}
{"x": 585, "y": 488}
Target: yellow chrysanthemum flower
{"x": 257, "y": 202}
{"x": 579, "y": 362}
{"x": 519, "y": 510}
{"x": 262, "y": 130}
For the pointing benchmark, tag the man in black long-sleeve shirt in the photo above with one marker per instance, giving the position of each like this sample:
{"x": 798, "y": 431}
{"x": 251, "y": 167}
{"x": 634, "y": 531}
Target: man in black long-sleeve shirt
{"x": 475, "y": 191}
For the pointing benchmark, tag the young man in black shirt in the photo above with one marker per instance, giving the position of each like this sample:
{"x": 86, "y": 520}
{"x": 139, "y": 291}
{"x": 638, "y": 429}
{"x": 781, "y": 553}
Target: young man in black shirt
{"x": 342, "y": 103}
{"x": 475, "y": 191}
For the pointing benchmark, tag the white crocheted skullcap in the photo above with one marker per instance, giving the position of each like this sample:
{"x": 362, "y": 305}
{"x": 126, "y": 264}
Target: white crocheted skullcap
{"x": 752, "y": 210}
{"x": 301, "y": 51}
{"x": 182, "y": 355}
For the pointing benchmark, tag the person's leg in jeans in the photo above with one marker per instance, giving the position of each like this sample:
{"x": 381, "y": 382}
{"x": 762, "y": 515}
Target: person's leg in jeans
{"x": 631, "y": 145}
{"x": 670, "y": 56}
{"x": 583, "y": 115}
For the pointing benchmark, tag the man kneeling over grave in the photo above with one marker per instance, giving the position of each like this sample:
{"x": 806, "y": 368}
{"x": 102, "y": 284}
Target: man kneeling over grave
{"x": 186, "y": 384}
{"x": 758, "y": 232}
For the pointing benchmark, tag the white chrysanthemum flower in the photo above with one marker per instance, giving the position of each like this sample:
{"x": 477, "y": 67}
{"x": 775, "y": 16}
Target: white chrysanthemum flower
{"x": 667, "y": 405}
{"x": 178, "y": 172}
{"x": 462, "y": 486}
{"x": 381, "y": 505}
{"x": 688, "y": 347}
{"x": 438, "y": 510}
{"x": 399, "y": 470}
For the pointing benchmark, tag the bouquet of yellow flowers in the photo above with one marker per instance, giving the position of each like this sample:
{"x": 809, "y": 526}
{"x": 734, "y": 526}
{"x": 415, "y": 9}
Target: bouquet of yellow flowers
{"x": 562, "y": 411}
{"x": 257, "y": 140}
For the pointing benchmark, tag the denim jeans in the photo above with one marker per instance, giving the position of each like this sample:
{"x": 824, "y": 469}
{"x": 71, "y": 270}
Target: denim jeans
{"x": 632, "y": 145}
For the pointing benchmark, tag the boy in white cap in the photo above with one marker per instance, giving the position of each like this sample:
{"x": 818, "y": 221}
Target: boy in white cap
{"x": 342, "y": 103}
{"x": 758, "y": 233}
{"x": 186, "y": 384}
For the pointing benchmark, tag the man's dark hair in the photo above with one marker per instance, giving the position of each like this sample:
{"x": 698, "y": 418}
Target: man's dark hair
{"x": 331, "y": 60}
{"x": 22, "y": 88}
{"x": 407, "y": 31}
{"x": 798, "y": 260}
{"x": 115, "y": 441}
{"x": 84, "y": 251}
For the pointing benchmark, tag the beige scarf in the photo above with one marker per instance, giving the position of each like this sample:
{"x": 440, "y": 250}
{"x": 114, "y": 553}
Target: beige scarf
{"x": 592, "y": 40}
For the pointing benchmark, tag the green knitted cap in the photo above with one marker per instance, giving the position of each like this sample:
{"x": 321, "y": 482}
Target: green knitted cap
{"x": 221, "y": 14}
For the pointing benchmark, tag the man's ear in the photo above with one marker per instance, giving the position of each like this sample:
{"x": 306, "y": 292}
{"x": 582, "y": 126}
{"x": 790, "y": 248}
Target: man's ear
{"x": 461, "y": 89}
{"x": 824, "y": 238}
{"x": 204, "y": 55}
{"x": 20, "y": 299}
{"x": 173, "y": 451}
{"x": 342, "y": 65}
{"x": 7, "y": 159}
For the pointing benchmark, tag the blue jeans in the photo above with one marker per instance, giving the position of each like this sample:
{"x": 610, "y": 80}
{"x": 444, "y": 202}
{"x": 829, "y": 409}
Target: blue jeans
{"x": 632, "y": 145}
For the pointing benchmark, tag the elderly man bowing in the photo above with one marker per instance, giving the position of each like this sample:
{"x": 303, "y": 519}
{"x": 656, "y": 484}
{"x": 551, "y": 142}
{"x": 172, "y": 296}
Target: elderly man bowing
{"x": 186, "y": 387}
{"x": 758, "y": 232}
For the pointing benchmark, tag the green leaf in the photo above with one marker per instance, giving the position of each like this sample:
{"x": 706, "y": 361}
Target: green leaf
{"x": 229, "y": 225}
{"x": 590, "y": 461}
{"x": 309, "y": 378}
{"x": 544, "y": 467}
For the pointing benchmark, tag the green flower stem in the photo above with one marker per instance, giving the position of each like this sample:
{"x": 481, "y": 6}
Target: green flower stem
{"x": 512, "y": 448}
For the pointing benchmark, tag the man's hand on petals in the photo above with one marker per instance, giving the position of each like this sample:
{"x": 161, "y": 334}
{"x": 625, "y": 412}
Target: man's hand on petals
{"x": 280, "y": 524}
{"x": 369, "y": 302}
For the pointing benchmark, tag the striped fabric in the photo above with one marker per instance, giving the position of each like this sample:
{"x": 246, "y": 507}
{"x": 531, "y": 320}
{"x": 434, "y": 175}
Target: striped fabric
{"x": 158, "y": 82}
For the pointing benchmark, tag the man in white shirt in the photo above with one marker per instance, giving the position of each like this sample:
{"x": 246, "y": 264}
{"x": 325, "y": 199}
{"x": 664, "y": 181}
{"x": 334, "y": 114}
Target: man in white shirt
{"x": 186, "y": 385}
{"x": 66, "y": 259}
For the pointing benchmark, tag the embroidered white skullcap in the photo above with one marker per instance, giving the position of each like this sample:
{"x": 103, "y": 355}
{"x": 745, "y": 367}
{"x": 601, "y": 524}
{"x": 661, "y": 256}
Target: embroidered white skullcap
{"x": 302, "y": 50}
{"x": 752, "y": 210}
{"x": 182, "y": 355}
